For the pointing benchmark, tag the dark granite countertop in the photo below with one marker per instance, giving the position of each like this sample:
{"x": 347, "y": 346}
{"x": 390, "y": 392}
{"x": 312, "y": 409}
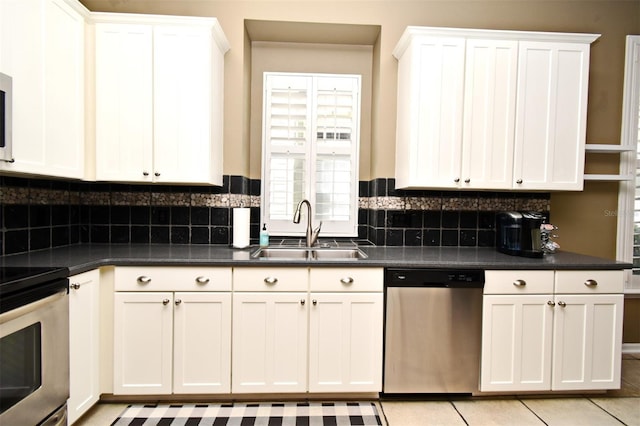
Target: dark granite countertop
{"x": 83, "y": 257}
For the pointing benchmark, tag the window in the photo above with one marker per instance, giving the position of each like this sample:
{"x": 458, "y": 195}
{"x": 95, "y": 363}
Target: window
{"x": 629, "y": 194}
{"x": 310, "y": 144}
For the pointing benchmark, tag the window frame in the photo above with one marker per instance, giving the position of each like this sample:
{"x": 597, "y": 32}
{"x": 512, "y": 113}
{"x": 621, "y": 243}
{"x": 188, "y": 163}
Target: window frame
{"x": 312, "y": 154}
{"x": 628, "y": 160}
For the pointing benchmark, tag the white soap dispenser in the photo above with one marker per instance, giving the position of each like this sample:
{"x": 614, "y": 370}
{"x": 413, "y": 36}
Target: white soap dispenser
{"x": 264, "y": 236}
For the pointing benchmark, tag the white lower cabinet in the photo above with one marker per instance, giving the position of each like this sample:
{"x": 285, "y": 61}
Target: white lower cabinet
{"x": 84, "y": 343}
{"x": 551, "y": 331}
{"x": 269, "y": 342}
{"x": 307, "y": 329}
{"x": 587, "y": 338}
{"x": 345, "y": 342}
{"x": 142, "y": 343}
{"x": 172, "y": 341}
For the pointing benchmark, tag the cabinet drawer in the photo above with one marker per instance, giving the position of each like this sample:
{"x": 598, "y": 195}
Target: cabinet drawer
{"x": 172, "y": 278}
{"x": 518, "y": 282}
{"x": 270, "y": 279}
{"x": 346, "y": 279}
{"x": 589, "y": 282}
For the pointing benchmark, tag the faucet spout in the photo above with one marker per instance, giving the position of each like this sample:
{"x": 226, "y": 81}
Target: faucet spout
{"x": 311, "y": 234}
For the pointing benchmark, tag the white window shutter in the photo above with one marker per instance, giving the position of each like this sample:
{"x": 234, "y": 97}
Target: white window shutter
{"x": 310, "y": 150}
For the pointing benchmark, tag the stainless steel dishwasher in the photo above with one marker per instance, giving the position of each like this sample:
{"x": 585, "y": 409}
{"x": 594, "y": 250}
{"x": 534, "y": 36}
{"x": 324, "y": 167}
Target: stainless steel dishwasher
{"x": 433, "y": 325}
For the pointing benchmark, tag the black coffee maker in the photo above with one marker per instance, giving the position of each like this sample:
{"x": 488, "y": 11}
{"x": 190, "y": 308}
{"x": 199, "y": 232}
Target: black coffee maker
{"x": 518, "y": 233}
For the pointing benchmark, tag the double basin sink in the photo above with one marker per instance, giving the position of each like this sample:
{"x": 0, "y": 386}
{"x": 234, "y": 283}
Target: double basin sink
{"x": 308, "y": 253}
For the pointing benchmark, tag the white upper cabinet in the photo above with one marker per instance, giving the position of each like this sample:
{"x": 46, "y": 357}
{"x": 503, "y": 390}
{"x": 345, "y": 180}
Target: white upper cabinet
{"x": 551, "y": 119}
{"x": 159, "y": 94}
{"x": 489, "y": 119}
{"x": 430, "y": 95}
{"x": 488, "y": 109}
{"x": 124, "y": 102}
{"x": 42, "y": 49}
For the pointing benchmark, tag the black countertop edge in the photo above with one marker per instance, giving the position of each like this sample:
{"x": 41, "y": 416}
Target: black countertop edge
{"x": 84, "y": 257}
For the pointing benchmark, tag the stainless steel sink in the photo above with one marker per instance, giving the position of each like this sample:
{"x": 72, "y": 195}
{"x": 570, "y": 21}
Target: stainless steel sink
{"x": 287, "y": 253}
{"x": 338, "y": 254}
{"x": 306, "y": 253}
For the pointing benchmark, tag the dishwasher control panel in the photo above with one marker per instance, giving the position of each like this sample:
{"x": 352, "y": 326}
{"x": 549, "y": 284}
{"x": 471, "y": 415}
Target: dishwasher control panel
{"x": 421, "y": 277}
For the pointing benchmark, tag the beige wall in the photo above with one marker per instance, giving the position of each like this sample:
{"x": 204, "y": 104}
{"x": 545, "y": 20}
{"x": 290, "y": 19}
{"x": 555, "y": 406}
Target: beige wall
{"x": 586, "y": 225}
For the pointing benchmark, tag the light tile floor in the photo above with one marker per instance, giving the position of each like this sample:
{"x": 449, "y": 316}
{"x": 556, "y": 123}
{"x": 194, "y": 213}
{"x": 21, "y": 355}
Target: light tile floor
{"x": 619, "y": 407}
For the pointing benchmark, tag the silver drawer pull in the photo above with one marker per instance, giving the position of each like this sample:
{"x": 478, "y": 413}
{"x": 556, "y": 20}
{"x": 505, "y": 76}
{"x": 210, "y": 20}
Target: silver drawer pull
{"x": 178, "y": 301}
{"x": 591, "y": 283}
{"x": 315, "y": 302}
{"x": 302, "y": 302}
{"x": 75, "y": 286}
{"x": 143, "y": 279}
{"x": 270, "y": 280}
{"x": 202, "y": 280}
{"x": 165, "y": 301}
{"x": 346, "y": 280}
{"x": 562, "y": 304}
{"x": 551, "y": 303}
{"x": 519, "y": 283}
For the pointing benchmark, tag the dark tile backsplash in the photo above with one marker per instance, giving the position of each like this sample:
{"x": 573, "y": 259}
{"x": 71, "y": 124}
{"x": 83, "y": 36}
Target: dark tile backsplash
{"x": 38, "y": 213}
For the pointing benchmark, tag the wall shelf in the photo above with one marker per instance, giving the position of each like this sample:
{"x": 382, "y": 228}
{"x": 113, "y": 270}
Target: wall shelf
{"x": 607, "y": 149}
{"x": 609, "y": 178}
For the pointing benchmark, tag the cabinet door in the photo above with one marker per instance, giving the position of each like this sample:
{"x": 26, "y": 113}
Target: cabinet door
{"x": 345, "y": 342}
{"x": 587, "y": 337}
{"x": 142, "y": 347}
{"x": 84, "y": 343}
{"x": 202, "y": 343}
{"x": 429, "y": 128}
{"x": 42, "y": 49}
{"x": 551, "y": 115}
{"x": 124, "y": 103}
{"x": 64, "y": 90}
{"x": 516, "y": 343}
{"x": 269, "y": 342}
{"x": 489, "y": 113}
{"x": 182, "y": 103}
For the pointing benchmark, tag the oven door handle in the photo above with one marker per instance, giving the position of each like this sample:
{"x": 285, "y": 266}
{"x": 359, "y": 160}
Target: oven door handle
{"x": 23, "y": 310}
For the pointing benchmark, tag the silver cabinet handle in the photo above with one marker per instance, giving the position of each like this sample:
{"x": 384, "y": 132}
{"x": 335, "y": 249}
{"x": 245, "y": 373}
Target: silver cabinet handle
{"x": 456, "y": 180}
{"x": 202, "y": 280}
{"x": 145, "y": 173}
{"x": 178, "y": 301}
{"x": 467, "y": 180}
{"x": 302, "y": 302}
{"x": 157, "y": 174}
{"x": 165, "y": 301}
{"x": 143, "y": 279}
{"x": 591, "y": 283}
{"x": 562, "y": 304}
{"x": 271, "y": 280}
{"x": 519, "y": 283}
{"x": 519, "y": 181}
{"x": 551, "y": 303}
{"x": 346, "y": 280}
{"x": 315, "y": 302}
{"x": 75, "y": 286}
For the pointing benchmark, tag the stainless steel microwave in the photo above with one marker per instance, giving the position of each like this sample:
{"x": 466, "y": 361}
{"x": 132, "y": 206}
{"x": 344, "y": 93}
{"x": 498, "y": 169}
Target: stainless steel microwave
{"x": 6, "y": 117}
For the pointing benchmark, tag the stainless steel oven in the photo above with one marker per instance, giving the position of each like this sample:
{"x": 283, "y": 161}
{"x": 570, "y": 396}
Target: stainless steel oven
{"x": 34, "y": 346}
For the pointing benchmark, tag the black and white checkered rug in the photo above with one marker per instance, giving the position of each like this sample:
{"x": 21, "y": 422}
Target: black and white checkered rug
{"x": 250, "y": 414}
